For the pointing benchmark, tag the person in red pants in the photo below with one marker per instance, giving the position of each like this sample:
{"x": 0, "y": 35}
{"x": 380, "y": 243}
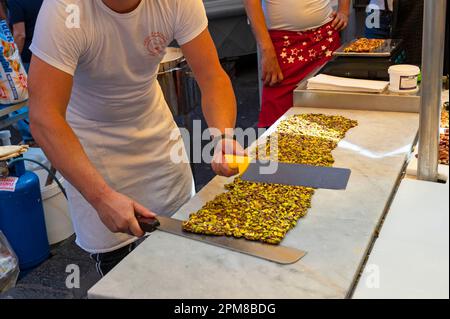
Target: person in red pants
{"x": 294, "y": 37}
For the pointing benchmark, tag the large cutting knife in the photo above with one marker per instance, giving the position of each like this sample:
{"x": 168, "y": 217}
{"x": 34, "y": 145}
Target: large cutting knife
{"x": 289, "y": 174}
{"x": 279, "y": 254}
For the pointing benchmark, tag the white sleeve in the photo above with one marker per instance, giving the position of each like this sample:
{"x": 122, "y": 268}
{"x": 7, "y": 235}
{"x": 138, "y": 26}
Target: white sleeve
{"x": 190, "y": 21}
{"x": 57, "y": 41}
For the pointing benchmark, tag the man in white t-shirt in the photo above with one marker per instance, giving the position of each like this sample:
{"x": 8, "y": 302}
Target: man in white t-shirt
{"x": 98, "y": 112}
{"x": 294, "y": 38}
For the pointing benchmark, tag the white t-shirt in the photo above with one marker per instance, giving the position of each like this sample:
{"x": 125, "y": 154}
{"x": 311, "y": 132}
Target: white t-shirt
{"x": 296, "y": 15}
{"x": 117, "y": 108}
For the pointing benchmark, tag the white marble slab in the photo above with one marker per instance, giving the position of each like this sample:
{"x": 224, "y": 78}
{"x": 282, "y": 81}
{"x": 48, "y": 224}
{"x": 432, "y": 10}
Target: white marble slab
{"x": 336, "y": 232}
{"x": 410, "y": 259}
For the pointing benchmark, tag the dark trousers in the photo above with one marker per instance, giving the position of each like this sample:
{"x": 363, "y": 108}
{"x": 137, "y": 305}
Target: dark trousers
{"x": 105, "y": 262}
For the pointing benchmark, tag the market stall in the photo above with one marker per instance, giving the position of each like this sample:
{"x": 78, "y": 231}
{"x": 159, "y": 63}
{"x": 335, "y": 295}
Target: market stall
{"x": 336, "y": 233}
{"x": 362, "y": 112}
{"x": 339, "y": 230}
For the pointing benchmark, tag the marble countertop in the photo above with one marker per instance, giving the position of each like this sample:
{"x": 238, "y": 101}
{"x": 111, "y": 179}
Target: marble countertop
{"x": 336, "y": 233}
{"x": 410, "y": 259}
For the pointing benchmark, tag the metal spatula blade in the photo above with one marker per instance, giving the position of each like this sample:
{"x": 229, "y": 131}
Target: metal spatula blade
{"x": 289, "y": 174}
{"x": 297, "y": 175}
{"x": 279, "y": 254}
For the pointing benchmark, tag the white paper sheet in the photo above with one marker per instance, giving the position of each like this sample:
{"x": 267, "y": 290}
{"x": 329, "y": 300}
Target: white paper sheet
{"x": 334, "y": 83}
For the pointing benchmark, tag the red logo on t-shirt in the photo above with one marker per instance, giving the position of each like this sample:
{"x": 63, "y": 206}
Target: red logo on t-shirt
{"x": 155, "y": 43}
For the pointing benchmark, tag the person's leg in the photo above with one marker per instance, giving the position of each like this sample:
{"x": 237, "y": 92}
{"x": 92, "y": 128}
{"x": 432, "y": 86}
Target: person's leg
{"x": 276, "y": 100}
{"x": 299, "y": 53}
{"x": 105, "y": 262}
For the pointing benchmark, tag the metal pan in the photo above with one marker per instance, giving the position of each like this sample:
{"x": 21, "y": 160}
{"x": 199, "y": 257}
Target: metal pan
{"x": 386, "y": 50}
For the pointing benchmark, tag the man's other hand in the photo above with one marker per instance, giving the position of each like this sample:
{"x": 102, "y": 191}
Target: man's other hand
{"x": 223, "y": 147}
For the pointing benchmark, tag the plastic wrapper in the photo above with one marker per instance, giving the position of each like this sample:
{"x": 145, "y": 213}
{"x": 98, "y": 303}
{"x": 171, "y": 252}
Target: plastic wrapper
{"x": 13, "y": 77}
{"x": 9, "y": 265}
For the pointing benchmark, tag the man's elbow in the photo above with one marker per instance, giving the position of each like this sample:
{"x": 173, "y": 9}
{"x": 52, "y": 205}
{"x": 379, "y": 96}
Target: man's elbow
{"x": 37, "y": 124}
{"x": 218, "y": 80}
{"x": 38, "y": 119}
{"x": 20, "y": 37}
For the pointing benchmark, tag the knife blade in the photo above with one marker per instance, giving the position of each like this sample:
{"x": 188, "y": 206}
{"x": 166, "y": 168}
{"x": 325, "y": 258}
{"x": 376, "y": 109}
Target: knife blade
{"x": 289, "y": 174}
{"x": 279, "y": 254}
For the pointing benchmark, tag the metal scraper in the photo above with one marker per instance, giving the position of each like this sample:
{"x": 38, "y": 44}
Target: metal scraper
{"x": 290, "y": 174}
{"x": 279, "y": 254}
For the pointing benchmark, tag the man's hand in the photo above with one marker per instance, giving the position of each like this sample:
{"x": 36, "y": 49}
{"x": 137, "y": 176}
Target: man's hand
{"x": 219, "y": 164}
{"x": 340, "y": 20}
{"x": 118, "y": 212}
{"x": 271, "y": 71}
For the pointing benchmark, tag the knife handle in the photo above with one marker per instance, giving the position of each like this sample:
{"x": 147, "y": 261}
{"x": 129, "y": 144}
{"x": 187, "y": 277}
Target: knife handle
{"x": 148, "y": 225}
{"x": 238, "y": 162}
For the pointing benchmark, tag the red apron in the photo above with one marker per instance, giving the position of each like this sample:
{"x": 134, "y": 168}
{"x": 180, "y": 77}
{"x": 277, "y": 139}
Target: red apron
{"x": 299, "y": 53}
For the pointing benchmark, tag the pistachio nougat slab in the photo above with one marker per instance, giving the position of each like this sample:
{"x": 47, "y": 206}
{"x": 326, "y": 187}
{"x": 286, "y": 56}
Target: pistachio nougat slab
{"x": 266, "y": 212}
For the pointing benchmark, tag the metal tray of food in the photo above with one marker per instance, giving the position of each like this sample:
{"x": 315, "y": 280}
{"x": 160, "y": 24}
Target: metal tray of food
{"x": 385, "y": 50}
{"x": 385, "y": 101}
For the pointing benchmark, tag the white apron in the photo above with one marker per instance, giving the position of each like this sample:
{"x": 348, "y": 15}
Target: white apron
{"x": 120, "y": 152}
{"x": 117, "y": 108}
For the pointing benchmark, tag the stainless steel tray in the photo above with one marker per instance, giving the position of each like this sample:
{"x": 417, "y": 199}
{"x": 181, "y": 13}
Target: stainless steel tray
{"x": 385, "y": 50}
{"x": 386, "y": 101}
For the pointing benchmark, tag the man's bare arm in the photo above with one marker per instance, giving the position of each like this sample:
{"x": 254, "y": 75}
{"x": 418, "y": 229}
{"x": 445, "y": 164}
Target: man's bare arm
{"x": 50, "y": 91}
{"x": 19, "y": 34}
{"x": 271, "y": 71}
{"x": 218, "y": 99}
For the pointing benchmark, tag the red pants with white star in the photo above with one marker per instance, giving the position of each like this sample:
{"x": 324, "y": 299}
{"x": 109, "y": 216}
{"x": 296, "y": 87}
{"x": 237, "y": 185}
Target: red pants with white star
{"x": 299, "y": 53}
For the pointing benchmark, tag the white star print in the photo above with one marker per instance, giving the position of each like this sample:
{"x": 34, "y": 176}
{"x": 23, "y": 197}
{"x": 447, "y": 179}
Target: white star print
{"x": 291, "y": 59}
{"x": 301, "y": 58}
{"x": 287, "y": 43}
{"x": 324, "y": 47}
{"x": 330, "y": 32}
{"x": 283, "y": 54}
{"x": 330, "y": 40}
{"x": 329, "y": 53}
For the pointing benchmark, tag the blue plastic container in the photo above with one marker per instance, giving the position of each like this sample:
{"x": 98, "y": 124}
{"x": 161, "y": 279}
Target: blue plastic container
{"x": 22, "y": 218}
